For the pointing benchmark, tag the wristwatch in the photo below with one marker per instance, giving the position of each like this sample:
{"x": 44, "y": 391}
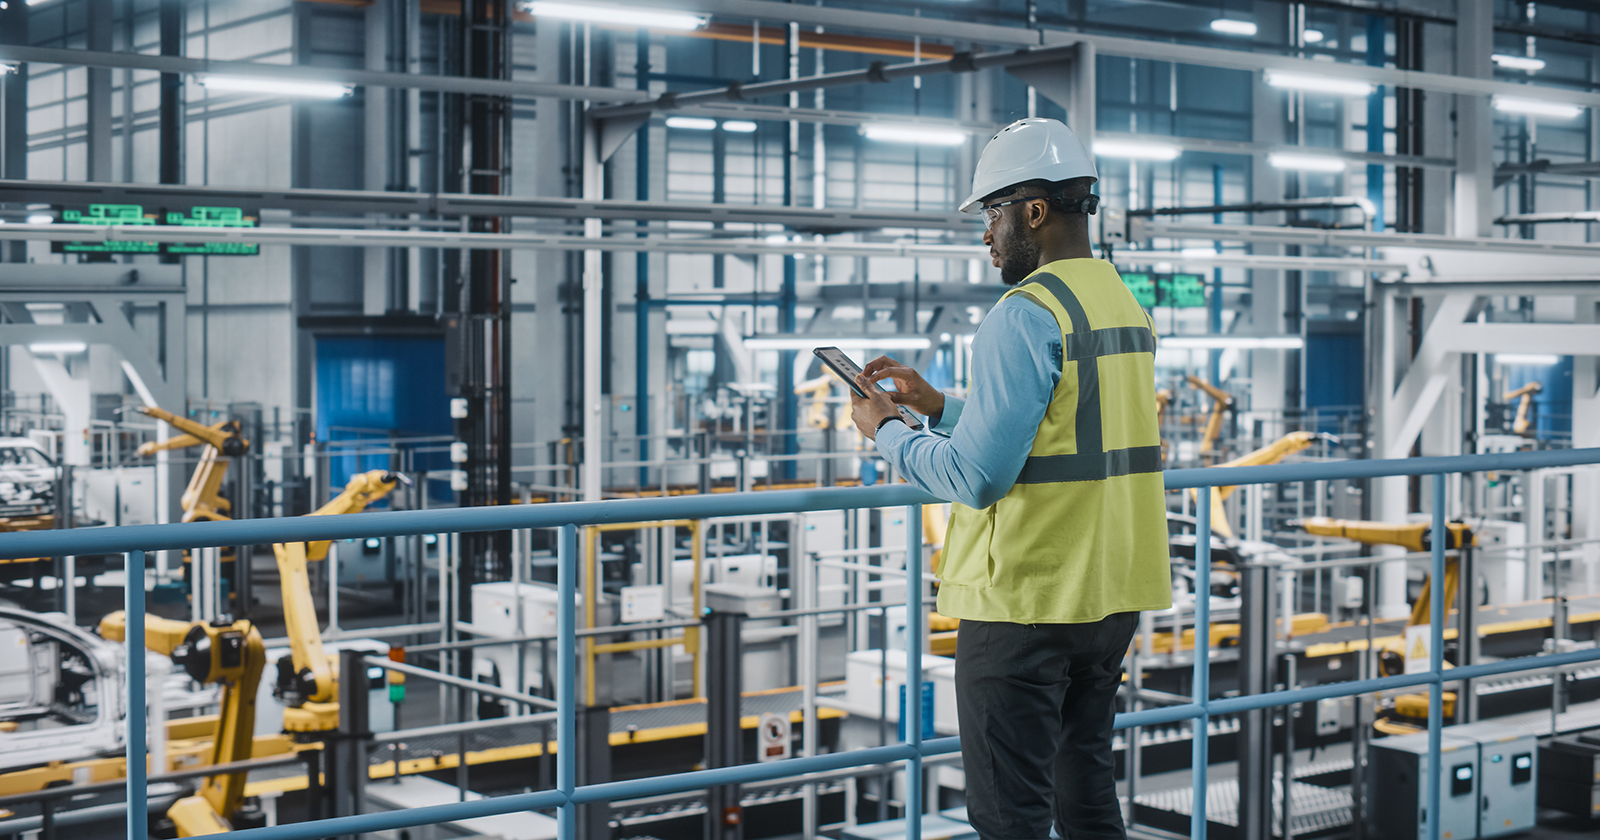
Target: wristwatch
{"x": 884, "y": 421}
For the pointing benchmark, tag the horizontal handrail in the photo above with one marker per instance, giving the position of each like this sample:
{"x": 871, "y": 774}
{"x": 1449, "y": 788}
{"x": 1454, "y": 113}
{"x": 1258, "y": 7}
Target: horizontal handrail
{"x": 93, "y": 541}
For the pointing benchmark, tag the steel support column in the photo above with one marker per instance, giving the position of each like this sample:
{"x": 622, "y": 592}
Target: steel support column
{"x": 14, "y": 113}
{"x": 724, "y": 738}
{"x": 1257, "y": 637}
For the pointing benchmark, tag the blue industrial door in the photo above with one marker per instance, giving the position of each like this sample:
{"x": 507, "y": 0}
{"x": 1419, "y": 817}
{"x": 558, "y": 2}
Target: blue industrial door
{"x": 377, "y": 389}
{"x": 1334, "y": 383}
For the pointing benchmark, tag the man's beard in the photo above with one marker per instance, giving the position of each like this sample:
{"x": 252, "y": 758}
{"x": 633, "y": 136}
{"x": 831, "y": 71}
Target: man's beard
{"x": 1018, "y": 260}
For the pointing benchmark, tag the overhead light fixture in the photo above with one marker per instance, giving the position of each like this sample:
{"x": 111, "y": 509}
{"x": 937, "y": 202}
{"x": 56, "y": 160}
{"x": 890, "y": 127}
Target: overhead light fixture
{"x": 40, "y": 219}
{"x": 1319, "y": 84}
{"x": 688, "y": 326}
{"x": 921, "y": 135}
{"x": 1199, "y": 252}
{"x": 806, "y": 342}
{"x": 1231, "y": 342}
{"x": 1137, "y": 149}
{"x": 1229, "y": 26}
{"x": 1539, "y": 359}
{"x": 738, "y": 126}
{"x": 1518, "y": 62}
{"x": 279, "y": 87}
{"x": 44, "y": 307}
{"x": 692, "y": 123}
{"x": 1306, "y": 163}
{"x": 1312, "y": 36}
{"x": 7, "y": 68}
{"x": 67, "y": 347}
{"x": 616, "y": 15}
{"x": 1537, "y": 107}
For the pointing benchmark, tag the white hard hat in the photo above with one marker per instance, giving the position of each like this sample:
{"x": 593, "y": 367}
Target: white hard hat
{"x": 1034, "y": 148}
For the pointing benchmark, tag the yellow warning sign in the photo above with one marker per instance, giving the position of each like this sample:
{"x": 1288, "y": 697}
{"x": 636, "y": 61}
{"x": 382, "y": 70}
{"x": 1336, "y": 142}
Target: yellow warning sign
{"x": 1419, "y": 650}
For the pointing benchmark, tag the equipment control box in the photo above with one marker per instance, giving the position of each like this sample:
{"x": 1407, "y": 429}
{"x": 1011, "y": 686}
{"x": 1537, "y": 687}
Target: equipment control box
{"x": 1398, "y": 788}
{"x": 1507, "y": 767}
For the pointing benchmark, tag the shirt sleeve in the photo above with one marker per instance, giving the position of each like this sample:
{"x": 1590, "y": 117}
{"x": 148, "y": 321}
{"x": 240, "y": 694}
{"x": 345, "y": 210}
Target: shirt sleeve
{"x": 1015, "y": 368}
{"x": 949, "y": 417}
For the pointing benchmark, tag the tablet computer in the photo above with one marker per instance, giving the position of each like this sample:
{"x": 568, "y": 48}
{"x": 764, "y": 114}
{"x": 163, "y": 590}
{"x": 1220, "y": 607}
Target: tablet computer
{"x": 848, "y": 370}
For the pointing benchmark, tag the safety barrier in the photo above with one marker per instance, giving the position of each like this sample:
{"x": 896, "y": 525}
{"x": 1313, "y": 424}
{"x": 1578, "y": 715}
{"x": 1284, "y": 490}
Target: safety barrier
{"x": 134, "y": 541}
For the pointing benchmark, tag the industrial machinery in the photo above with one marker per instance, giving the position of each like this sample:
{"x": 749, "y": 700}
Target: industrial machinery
{"x": 1412, "y": 536}
{"x": 1522, "y": 426}
{"x": 223, "y": 440}
{"x": 1272, "y": 453}
{"x": 229, "y": 653}
{"x": 1221, "y": 404}
{"x": 307, "y": 681}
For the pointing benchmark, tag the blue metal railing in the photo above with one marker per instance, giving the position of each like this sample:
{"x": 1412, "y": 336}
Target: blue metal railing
{"x": 134, "y": 541}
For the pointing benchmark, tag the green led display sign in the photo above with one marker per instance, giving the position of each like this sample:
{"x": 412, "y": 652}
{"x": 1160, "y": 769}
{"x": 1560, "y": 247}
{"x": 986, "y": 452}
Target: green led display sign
{"x": 134, "y": 214}
{"x": 1180, "y": 291}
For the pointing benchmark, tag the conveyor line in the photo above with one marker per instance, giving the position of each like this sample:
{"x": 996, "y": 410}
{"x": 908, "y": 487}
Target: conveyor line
{"x": 629, "y": 725}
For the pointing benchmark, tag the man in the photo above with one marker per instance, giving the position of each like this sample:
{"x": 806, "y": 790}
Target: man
{"x": 1058, "y": 533}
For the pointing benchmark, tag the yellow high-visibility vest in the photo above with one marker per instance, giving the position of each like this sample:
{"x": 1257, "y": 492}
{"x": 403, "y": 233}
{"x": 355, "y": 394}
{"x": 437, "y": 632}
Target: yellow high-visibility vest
{"x": 1083, "y": 532}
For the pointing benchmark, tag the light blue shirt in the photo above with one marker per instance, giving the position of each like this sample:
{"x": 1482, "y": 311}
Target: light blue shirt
{"x": 978, "y": 445}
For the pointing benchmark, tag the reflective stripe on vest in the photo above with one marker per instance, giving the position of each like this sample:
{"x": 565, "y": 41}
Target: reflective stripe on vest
{"x": 1084, "y": 346}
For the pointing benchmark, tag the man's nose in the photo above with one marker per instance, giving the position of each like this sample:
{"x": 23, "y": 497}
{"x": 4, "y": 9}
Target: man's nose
{"x": 988, "y": 236}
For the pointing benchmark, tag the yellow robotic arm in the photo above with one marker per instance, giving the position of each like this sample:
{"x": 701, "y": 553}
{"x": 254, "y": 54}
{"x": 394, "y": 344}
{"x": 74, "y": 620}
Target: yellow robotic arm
{"x": 1272, "y": 453}
{"x": 819, "y": 390}
{"x": 202, "y": 499}
{"x": 1412, "y": 536}
{"x": 230, "y": 653}
{"x": 313, "y": 687}
{"x": 1523, "y": 423}
{"x": 1221, "y": 403}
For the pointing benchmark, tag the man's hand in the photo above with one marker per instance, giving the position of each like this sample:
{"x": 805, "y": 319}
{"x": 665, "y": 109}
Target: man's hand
{"x": 867, "y": 412}
{"x": 914, "y": 392}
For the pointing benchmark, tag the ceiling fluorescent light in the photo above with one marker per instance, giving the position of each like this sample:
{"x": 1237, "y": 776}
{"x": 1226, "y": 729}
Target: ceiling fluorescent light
{"x": 1312, "y": 36}
{"x": 1319, "y": 84}
{"x": 281, "y": 87}
{"x": 739, "y": 126}
{"x": 921, "y": 135}
{"x": 692, "y": 123}
{"x": 1537, "y": 107}
{"x": 44, "y": 307}
{"x": 40, "y": 219}
{"x": 1228, "y": 26}
{"x": 57, "y": 347}
{"x": 1518, "y": 62}
{"x": 806, "y": 342}
{"x": 687, "y": 326}
{"x": 1540, "y": 359}
{"x": 1232, "y": 342}
{"x": 1136, "y": 149}
{"x": 1306, "y": 163}
{"x": 616, "y": 15}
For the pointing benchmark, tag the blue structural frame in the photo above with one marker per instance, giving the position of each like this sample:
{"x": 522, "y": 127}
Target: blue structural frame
{"x": 135, "y": 541}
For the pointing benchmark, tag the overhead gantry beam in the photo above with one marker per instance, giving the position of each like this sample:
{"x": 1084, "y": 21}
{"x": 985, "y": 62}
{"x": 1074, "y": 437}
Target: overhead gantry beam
{"x": 360, "y": 202}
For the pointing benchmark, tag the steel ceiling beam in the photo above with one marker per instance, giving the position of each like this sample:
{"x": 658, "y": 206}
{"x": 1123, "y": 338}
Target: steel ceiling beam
{"x": 358, "y": 202}
{"x": 307, "y": 73}
{"x": 345, "y": 237}
{"x": 979, "y": 33}
{"x": 1140, "y": 229}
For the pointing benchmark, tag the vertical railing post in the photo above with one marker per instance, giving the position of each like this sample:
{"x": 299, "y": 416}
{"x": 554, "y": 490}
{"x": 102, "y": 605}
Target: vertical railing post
{"x": 133, "y": 644}
{"x": 1436, "y": 613}
{"x": 1202, "y": 660}
{"x": 913, "y": 684}
{"x": 566, "y": 678}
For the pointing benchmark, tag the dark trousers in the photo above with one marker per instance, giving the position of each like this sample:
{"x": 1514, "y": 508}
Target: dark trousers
{"x": 1036, "y": 704}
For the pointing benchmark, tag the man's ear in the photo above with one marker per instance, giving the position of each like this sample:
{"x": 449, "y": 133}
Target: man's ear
{"x": 1037, "y": 213}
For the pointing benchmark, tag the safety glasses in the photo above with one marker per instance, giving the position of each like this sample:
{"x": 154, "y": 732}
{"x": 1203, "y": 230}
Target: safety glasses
{"x": 991, "y": 212}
